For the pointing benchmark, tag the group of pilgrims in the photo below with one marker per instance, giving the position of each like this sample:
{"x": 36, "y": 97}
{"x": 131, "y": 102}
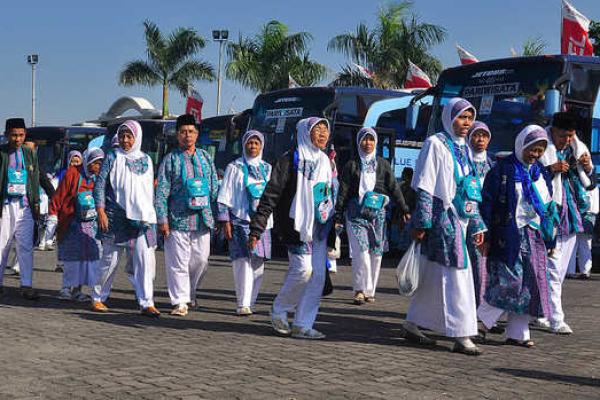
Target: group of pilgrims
{"x": 497, "y": 238}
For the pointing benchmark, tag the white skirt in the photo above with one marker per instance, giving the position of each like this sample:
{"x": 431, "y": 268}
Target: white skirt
{"x": 445, "y": 300}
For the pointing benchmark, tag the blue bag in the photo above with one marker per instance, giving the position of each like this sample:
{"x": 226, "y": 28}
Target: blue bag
{"x": 197, "y": 188}
{"x": 17, "y": 179}
{"x": 323, "y": 202}
{"x": 254, "y": 190}
{"x": 85, "y": 204}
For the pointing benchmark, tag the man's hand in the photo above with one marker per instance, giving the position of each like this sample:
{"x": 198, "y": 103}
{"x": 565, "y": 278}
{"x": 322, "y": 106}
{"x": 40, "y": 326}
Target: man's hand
{"x": 163, "y": 229}
{"x": 559, "y": 167}
{"x": 586, "y": 161}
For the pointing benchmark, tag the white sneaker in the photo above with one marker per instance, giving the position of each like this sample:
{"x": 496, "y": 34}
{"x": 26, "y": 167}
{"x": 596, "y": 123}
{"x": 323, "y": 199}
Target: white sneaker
{"x": 310, "y": 334}
{"x": 244, "y": 311}
{"x": 542, "y": 323}
{"x": 65, "y": 294}
{"x": 562, "y": 329}
{"x": 180, "y": 311}
{"x": 280, "y": 325}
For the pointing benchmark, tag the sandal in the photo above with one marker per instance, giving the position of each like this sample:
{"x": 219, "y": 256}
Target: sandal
{"x": 521, "y": 343}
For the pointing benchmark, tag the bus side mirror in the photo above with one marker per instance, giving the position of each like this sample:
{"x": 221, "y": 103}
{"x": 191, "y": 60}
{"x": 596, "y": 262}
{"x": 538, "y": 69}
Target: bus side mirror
{"x": 412, "y": 115}
{"x": 552, "y": 102}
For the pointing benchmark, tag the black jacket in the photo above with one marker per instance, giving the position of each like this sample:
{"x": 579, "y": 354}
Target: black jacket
{"x": 277, "y": 199}
{"x": 33, "y": 178}
{"x": 385, "y": 184}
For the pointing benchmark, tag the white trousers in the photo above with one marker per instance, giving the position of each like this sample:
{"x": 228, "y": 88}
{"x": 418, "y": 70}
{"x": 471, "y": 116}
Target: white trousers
{"x": 140, "y": 259}
{"x": 303, "y": 286}
{"x": 365, "y": 266}
{"x": 17, "y": 224}
{"x": 582, "y": 255}
{"x": 558, "y": 265}
{"x": 247, "y": 275}
{"x": 517, "y": 325}
{"x": 79, "y": 273}
{"x": 186, "y": 262}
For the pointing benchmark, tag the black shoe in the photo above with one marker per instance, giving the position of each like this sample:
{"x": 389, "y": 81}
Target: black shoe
{"x": 418, "y": 339}
{"x": 29, "y": 294}
{"x": 470, "y": 351}
{"x": 58, "y": 268}
{"x": 497, "y": 330}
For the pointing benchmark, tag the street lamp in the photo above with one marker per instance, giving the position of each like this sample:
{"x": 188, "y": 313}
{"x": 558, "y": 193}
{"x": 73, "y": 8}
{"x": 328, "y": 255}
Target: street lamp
{"x": 220, "y": 36}
{"x": 32, "y": 60}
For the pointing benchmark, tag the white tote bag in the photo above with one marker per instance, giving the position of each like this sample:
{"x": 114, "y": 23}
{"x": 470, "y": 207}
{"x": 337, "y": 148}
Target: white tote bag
{"x": 407, "y": 270}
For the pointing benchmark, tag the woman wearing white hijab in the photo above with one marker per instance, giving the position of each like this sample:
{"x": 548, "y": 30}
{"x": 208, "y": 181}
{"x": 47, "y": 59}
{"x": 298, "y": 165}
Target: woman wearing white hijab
{"x": 300, "y": 194}
{"x": 124, "y": 197}
{"x": 517, "y": 209}
{"x": 448, "y": 193}
{"x": 73, "y": 207}
{"x": 366, "y": 186}
{"x": 241, "y": 189}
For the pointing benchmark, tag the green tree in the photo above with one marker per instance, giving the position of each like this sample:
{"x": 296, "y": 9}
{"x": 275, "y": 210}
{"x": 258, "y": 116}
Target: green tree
{"x": 595, "y": 36}
{"x": 170, "y": 62}
{"x": 386, "y": 48}
{"x": 264, "y": 62}
{"x": 534, "y": 46}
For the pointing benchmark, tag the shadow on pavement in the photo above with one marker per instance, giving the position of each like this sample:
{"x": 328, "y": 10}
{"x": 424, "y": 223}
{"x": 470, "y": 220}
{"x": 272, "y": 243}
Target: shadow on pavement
{"x": 549, "y": 376}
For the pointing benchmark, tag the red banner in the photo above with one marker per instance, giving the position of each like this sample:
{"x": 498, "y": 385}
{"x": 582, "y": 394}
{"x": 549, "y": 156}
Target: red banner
{"x": 574, "y": 34}
{"x": 466, "y": 57}
{"x": 194, "y": 105}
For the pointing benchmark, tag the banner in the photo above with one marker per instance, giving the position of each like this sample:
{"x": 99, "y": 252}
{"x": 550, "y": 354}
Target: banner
{"x": 465, "y": 56}
{"x": 574, "y": 32}
{"x": 363, "y": 71}
{"x": 292, "y": 82}
{"x": 416, "y": 78}
{"x": 194, "y": 105}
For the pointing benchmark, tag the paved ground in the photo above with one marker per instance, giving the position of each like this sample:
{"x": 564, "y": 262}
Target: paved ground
{"x": 55, "y": 350}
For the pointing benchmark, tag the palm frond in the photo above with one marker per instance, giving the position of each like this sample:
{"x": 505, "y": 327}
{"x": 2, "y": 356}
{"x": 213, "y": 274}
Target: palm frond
{"x": 189, "y": 72}
{"x": 139, "y": 73}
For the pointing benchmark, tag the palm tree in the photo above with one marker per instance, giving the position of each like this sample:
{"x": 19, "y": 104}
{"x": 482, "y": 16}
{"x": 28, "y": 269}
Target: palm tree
{"x": 386, "y": 48}
{"x": 534, "y": 46}
{"x": 169, "y": 63}
{"x": 595, "y": 36}
{"x": 264, "y": 63}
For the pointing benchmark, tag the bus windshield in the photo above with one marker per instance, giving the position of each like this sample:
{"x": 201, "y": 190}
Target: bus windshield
{"x": 276, "y": 114}
{"x": 508, "y": 96}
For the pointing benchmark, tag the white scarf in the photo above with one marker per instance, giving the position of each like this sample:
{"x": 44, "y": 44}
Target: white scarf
{"x": 313, "y": 167}
{"x": 480, "y": 156}
{"x": 550, "y": 157}
{"x": 233, "y": 193}
{"x": 368, "y": 178}
{"x": 134, "y": 192}
{"x": 434, "y": 169}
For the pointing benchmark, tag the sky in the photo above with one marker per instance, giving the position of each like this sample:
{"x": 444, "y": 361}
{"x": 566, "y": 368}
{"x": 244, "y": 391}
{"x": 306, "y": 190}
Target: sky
{"x": 83, "y": 45}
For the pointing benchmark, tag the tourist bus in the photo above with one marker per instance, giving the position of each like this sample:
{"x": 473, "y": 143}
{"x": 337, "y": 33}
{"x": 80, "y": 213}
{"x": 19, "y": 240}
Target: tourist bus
{"x": 55, "y": 142}
{"x": 514, "y": 92}
{"x": 276, "y": 113}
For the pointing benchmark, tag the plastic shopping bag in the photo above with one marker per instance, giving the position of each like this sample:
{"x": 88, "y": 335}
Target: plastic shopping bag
{"x": 407, "y": 271}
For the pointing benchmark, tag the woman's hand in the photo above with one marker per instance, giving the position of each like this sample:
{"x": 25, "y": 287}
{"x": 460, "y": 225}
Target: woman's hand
{"x": 163, "y": 229}
{"x": 478, "y": 239}
{"x": 102, "y": 220}
{"x": 252, "y": 241}
{"x": 227, "y": 230}
{"x": 586, "y": 161}
{"x": 418, "y": 234}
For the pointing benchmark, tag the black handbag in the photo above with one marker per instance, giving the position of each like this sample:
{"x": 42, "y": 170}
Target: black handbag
{"x": 328, "y": 287}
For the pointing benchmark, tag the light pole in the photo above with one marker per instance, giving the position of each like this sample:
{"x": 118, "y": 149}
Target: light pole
{"x": 220, "y": 36}
{"x": 32, "y": 60}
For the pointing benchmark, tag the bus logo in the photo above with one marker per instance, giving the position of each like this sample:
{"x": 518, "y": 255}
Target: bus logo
{"x": 285, "y": 113}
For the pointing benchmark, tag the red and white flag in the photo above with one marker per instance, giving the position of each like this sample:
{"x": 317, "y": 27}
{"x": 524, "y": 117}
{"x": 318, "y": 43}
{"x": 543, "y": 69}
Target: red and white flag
{"x": 574, "y": 32}
{"x": 465, "y": 56}
{"x": 292, "y": 82}
{"x": 416, "y": 78}
{"x": 194, "y": 105}
{"x": 363, "y": 71}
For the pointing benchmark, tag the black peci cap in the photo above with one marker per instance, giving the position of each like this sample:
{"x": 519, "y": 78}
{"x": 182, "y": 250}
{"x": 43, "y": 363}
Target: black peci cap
{"x": 185, "y": 119}
{"x": 14, "y": 123}
{"x": 565, "y": 120}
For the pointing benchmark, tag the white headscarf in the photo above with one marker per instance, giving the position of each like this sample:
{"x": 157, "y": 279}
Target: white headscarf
{"x": 232, "y": 192}
{"x": 133, "y": 189}
{"x": 89, "y": 156}
{"x": 480, "y": 156}
{"x": 368, "y": 170}
{"x": 73, "y": 153}
{"x": 434, "y": 169}
{"x": 247, "y": 136}
{"x": 528, "y": 136}
{"x": 313, "y": 167}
